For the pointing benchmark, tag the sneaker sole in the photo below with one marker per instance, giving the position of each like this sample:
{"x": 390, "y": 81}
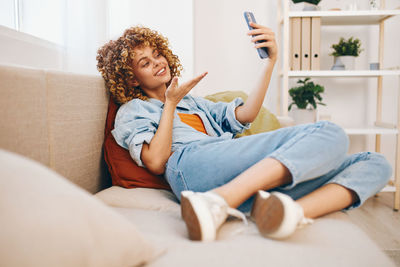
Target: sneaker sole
{"x": 268, "y": 213}
{"x": 199, "y": 222}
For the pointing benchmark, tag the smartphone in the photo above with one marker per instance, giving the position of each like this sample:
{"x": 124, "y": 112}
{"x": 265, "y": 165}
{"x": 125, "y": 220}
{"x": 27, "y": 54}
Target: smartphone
{"x": 249, "y": 17}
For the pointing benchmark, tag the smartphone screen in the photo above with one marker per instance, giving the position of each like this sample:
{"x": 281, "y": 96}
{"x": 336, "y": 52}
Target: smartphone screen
{"x": 249, "y": 17}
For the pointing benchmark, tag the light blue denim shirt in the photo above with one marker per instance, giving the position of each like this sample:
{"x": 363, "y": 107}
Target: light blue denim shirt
{"x": 137, "y": 121}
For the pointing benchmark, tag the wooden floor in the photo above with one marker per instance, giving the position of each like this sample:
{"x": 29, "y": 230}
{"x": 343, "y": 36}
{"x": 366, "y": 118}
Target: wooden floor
{"x": 377, "y": 218}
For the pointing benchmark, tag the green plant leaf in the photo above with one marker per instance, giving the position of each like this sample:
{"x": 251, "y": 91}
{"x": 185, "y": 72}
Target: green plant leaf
{"x": 306, "y": 94}
{"x": 350, "y": 47}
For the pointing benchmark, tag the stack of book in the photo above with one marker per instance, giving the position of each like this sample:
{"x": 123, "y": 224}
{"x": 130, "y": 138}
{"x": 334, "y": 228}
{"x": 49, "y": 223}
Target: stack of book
{"x": 305, "y": 43}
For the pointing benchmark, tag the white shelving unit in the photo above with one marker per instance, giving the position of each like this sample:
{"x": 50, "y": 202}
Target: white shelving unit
{"x": 343, "y": 73}
{"x": 343, "y": 18}
{"x": 357, "y": 17}
{"x": 370, "y": 130}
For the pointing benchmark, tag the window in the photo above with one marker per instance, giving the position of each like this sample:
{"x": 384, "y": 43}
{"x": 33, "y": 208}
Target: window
{"x": 43, "y": 19}
{"x": 7, "y": 13}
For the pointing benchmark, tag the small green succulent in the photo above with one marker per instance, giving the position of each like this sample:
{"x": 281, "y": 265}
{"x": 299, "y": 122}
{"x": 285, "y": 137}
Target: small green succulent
{"x": 350, "y": 47}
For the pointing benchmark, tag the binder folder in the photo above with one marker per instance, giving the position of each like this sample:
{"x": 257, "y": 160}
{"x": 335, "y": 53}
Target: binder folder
{"x": 315, "y": 43}
{"x": 295, "y": 51}
{"x": 305, "y": 43}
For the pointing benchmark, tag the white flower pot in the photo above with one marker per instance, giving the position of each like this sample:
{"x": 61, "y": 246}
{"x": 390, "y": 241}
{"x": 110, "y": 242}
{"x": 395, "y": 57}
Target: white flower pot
{"x": 349, "y": 62}
{"x": 310, "y": 7}
{"x": 302, "y": 116}
{"x": 344, "y": 63}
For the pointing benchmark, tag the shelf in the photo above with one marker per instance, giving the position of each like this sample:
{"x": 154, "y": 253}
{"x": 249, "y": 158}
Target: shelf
{"x": 366, "y": 18}
{"x": 369, "y": 130}
{"x": 343, "y": 73}
{"x": 348, "y": 17}
{"x": 389, "y": 188}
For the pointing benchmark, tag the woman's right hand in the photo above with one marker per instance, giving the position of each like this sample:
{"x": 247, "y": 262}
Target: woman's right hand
{"x": 175, "y": 92}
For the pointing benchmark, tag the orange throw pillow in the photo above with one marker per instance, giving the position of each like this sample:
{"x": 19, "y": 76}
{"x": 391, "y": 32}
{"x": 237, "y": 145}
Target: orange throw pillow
{"x": 124, "y": 171}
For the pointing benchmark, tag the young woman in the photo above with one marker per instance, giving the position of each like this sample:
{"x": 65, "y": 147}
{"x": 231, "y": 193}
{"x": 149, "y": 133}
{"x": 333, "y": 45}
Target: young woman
{"x": 284, "y": 177}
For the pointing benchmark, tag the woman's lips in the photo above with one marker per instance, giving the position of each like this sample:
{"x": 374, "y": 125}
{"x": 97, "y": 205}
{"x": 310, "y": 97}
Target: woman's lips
{"x": 161, "y": 72}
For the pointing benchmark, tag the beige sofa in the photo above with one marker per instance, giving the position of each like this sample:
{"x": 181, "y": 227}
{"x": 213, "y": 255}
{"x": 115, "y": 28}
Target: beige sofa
{"x": 57, "y": 119}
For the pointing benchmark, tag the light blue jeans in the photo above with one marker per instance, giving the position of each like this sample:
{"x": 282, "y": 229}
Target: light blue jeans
{"x": 315, "y": 155}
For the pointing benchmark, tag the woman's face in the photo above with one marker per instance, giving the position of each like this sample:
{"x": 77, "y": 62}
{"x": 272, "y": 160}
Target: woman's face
{"x": 150, "y": 68}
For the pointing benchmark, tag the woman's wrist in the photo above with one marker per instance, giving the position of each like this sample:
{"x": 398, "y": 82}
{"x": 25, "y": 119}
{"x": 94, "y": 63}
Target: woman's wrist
{"x": 170, "y": 104}
{"x": 272, "y": 61}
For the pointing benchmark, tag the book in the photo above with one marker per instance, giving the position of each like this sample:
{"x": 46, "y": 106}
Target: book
{"x": 305, "y": 43}
{"x": 315, "y": 42}
{"x": 295, "y": 44}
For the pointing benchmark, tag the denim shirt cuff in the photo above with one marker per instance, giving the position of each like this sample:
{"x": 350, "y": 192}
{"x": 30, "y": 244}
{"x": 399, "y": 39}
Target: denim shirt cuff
{"x": 237, "y": 126}
{"x": 135, "y": 147}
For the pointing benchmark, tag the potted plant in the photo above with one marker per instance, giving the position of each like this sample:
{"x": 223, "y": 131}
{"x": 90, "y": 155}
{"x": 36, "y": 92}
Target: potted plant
{"x": 373, "y": 4}
{"x": 345, "y": 53}
{"x": 309, "y": 5}
{"x": 305, "y": 97}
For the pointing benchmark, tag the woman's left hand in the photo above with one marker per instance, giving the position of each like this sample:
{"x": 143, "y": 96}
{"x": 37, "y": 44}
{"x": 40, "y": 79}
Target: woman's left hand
{"x": 267, "y": 38}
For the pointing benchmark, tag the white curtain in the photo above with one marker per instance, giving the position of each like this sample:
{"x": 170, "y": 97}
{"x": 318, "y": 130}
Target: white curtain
{"x": 76, "y": 27}
{"x": 85, "y": 30}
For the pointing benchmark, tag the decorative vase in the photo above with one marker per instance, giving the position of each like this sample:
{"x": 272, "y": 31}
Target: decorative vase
{"x": 302, "y": 116}
{"x": 310, "y": 7}
{"x": 349, "y": 62}
{"x": 351, "y": 5}
{"x": 344, "y": 63}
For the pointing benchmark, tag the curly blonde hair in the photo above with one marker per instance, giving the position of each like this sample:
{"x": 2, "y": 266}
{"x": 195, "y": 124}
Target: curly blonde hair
{"x": 114, "y": 61}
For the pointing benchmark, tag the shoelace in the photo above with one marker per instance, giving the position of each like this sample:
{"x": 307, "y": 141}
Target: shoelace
{"x": 237, "y": 214}
{"x": 218, "y": 212}
{"x": 304, "y": 222}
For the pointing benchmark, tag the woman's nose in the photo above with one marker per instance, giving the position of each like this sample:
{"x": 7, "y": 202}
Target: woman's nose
{"x": 156, "y": 63}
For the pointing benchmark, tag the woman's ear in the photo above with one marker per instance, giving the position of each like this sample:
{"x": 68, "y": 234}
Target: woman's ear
{"x": 134, "y": 83}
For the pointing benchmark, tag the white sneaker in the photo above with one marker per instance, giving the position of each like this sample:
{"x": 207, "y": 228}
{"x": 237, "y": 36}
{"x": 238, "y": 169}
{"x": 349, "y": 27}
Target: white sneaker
{"x": 204, "y": 213}
{"x": 277, "y": 215}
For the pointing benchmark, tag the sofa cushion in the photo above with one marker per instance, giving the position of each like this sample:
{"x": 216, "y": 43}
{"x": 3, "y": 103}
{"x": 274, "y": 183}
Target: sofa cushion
{"x": 24, "y": 112}
{"x": 77, "y": 106}
{"x": 48, "y": 221}
{"x": 331, "y": 241}
{"x": 265, "y": 120}
{"x": 139, "y": 198}
{"x": 124, "y": 171}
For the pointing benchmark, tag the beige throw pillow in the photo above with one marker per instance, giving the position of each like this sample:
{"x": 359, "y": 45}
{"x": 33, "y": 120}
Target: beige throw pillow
{"x": 48, "y": 221}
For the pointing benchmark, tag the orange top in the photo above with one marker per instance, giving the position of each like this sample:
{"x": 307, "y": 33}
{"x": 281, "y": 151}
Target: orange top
{"x": 194, "y": 121}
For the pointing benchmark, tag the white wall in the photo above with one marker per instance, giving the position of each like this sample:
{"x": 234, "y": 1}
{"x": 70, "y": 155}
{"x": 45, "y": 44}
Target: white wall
{"x": 172, "y": 18}
{"x": 223, "y": 48}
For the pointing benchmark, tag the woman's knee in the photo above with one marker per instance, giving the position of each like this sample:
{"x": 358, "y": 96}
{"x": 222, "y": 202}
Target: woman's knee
{"x": 382, "y": 164}
{"x": 336, "y": 135}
